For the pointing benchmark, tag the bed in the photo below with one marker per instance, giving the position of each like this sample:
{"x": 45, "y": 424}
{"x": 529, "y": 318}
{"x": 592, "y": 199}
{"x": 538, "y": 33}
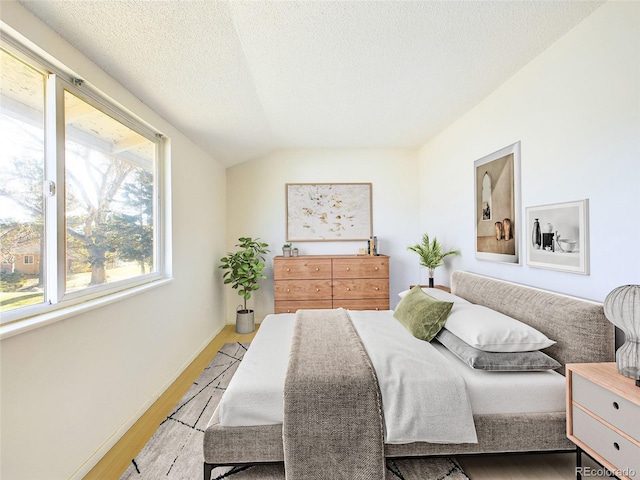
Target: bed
{"x": 257, "y": 432}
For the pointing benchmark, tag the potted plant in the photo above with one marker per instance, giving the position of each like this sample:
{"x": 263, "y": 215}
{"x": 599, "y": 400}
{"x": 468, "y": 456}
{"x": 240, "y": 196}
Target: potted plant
{"x": 431, "y": 254}
{"x": 243, "y": 269}
{"x": 286, "y": 250}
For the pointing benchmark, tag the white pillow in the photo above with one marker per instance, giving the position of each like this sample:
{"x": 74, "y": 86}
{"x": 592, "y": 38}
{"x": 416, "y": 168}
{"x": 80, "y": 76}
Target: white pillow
{"x": 491, "y": 331}
{"x": 438, "y": 295}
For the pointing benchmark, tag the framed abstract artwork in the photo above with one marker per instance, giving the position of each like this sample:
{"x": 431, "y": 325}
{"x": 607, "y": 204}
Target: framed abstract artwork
{"x": 558, "y": 236}
{"x": 497, "y": 206}
{"x": 328, "y": 211}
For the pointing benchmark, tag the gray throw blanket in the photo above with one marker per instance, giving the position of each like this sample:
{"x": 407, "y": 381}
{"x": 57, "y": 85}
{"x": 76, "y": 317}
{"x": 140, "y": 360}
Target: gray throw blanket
{"x": 333, "y": 421}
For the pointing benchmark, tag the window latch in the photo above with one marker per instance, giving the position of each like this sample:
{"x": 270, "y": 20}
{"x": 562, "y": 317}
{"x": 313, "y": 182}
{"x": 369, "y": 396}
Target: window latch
{"x": 50, "y": 188}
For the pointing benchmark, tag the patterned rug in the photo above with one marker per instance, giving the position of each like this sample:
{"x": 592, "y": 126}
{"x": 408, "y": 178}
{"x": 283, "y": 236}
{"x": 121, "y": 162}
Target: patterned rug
{"x": 175, "y": 450}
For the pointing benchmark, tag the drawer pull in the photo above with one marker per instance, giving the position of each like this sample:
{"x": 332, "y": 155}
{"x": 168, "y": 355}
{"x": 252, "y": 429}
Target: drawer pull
{"x": 348, "y": 269}
{"x": 288, "y": 290}
{"x": 288, "y": 310}
{"x": 317, "y": 289}
{"x": 348, "y": 289}
{"x": 377, "y": 289}
{"x": 616, "y": 406}
{"x": 317, "y": 269}
{"x": 376, "y": 268}
{"x": 616, "y": 446}
{"x": 288, "y": 269}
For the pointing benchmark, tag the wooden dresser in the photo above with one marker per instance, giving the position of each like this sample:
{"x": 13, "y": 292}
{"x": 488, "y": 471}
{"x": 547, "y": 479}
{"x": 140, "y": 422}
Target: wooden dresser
{"x": 331, "y": 281}
{"x": 603, "y": 418}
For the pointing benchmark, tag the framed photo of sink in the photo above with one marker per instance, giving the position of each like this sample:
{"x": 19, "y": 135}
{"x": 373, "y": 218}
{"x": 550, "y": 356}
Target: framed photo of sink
{"x": 558, "y": 236}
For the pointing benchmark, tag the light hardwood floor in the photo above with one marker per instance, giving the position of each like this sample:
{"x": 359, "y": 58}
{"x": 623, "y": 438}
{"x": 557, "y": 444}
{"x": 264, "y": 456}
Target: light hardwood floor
{"x": 118, "y": 459}
{"x": 556, "y": 466}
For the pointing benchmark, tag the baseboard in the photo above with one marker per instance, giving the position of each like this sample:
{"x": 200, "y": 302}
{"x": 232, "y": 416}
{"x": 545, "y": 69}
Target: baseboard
{"x": 92, "y": 461}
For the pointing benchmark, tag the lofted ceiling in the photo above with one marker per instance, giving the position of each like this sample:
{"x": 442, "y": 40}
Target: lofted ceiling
{"x": 244, "y": 78}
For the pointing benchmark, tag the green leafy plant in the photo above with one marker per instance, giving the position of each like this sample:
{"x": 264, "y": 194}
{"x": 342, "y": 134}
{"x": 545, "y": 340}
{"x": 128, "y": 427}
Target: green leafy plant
{"x": 431, "y": 254}
{"x": 244, "y": 268}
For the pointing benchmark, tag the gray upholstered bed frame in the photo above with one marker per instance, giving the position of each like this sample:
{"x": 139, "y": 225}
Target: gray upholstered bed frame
{"x": 582, "y": 333}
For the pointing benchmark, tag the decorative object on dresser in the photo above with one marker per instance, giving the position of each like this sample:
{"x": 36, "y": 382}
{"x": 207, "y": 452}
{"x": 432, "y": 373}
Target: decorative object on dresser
{"x": 286, "y": 250}
{"x": 431, "y": 254}
{"x": 559, "y": 235}
{"x": 497, "y": 205}
{"x": 328, "y": 211}
{"x": 243, "y": 270}
{"x": 622, "y": 308}
{"x": 603, "y": 418}
{"x": 331, "y": 281}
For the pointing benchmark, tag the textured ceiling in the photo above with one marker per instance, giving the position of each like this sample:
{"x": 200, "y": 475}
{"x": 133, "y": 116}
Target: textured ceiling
{"x": 243, "y": 78}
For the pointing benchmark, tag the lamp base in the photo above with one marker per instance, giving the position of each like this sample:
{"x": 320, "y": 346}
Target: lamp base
{"x": 631, "y": 372}
{"x": 628, "y": 359}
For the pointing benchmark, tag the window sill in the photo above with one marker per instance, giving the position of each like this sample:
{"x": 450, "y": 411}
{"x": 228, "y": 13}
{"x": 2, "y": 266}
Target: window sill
{"x": 24, "y": 325}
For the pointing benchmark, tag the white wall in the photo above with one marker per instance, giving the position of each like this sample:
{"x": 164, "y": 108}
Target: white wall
{"x": 70, "y": 389}
{"x": 256, "y": 208}
{"x": 576, "y": 110}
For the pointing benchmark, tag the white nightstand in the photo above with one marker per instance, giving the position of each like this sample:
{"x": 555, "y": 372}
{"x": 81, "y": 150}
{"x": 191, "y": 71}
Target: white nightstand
{"x": 603, "y": 417}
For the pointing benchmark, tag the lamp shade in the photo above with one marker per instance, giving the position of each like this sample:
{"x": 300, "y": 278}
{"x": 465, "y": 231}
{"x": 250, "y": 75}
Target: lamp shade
{"x": 622, "y": 308}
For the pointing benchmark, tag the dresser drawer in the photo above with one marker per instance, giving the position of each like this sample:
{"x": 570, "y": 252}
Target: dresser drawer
{"x": 618, "y": 411}
{"x": 612, "y": 446}
{"x": 361, "y": 267}
{"x": 368, "y": 304}
{"x": 303, "y": 268}
{"x": 361, "y": 288}
{"x": 302, "y": 289}
{"x": 291, "y": 306}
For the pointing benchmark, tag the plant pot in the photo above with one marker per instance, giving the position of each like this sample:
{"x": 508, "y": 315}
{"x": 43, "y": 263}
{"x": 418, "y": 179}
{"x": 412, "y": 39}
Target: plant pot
{"x": 286, "y": 252}
{"x": 244, "y": 321}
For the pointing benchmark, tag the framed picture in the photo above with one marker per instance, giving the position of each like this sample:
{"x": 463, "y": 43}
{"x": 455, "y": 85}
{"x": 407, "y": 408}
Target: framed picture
{"x": 558, "y": 236}
{"x": 497, "y": 204}
{"x": 328, "y": 211}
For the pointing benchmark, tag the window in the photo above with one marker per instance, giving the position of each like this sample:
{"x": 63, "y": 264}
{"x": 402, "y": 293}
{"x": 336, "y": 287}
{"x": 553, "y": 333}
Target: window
{"x": 79, "y": 191}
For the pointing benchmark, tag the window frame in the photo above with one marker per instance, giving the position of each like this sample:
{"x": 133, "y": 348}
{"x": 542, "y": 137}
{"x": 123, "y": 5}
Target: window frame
{"x": 57, "y": 303}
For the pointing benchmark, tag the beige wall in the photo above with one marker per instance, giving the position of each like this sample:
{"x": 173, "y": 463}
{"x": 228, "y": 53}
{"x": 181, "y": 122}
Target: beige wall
{"x": 576, "y": 110}
{"x": 70, "y": 389}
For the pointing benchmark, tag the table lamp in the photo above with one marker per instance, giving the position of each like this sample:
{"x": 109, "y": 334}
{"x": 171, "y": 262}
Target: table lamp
{"x": 622, "y": 308}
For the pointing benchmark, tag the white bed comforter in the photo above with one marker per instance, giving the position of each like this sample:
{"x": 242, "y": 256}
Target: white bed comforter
{"x": 424, "y": 397}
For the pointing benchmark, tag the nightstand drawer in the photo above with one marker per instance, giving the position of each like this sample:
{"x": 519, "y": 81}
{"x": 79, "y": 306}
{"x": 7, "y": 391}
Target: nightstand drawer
{"x": 612, "y": 408}
{"x": 616, "y": 449}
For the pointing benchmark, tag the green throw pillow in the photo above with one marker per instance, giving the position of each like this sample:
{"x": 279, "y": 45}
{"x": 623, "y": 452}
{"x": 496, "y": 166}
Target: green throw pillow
{"x": 421, "y": 314}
